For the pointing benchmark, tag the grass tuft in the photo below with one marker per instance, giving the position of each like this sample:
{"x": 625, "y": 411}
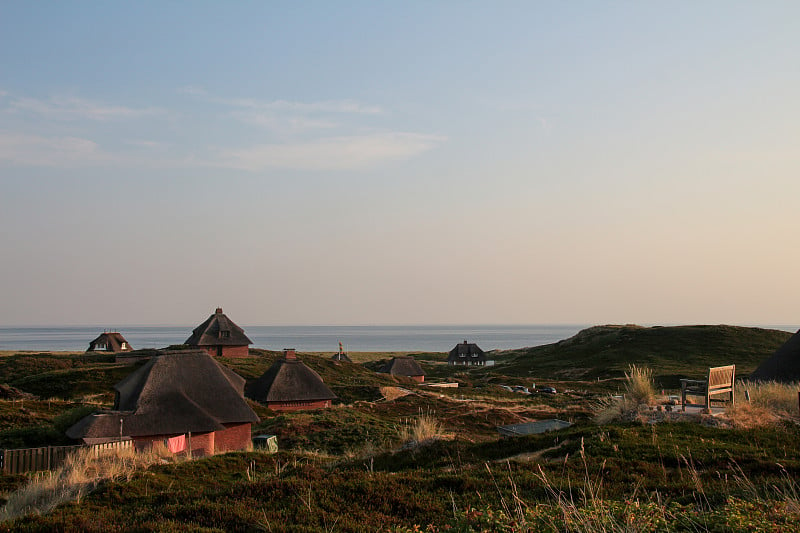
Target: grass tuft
{"x": 82, "y": 472}
{"x": 423, "y": 430}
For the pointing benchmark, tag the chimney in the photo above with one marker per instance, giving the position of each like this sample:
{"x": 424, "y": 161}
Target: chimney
{"x": 218, "y": 311}
{"x": 289, "y": 354}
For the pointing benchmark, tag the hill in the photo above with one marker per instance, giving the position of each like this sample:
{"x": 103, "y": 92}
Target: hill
{"x": 671, "y": 352}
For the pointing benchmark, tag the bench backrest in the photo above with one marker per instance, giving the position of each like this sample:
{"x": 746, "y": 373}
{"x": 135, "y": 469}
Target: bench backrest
{"x": 721, "y": 377}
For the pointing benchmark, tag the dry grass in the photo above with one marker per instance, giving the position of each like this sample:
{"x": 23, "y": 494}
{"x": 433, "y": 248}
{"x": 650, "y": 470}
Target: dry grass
{"x": 79, "y": 475}
{"x": 425, "y": 428}
{"x": 770, "y": 402}
{"x": 639, "y": 385}
{"x": 639, "y": 394}
{"x": 393, "y": 393}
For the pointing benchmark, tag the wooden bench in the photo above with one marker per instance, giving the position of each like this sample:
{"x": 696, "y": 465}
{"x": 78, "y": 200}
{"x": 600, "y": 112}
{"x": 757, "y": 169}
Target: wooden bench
{"x": 720, "y": 381}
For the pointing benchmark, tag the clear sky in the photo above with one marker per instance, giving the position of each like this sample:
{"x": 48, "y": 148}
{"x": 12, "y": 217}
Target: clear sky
{"x": 446, "y": 162}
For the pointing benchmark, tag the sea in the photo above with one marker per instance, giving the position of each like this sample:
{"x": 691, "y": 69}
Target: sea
{"x": 302, "y": 338}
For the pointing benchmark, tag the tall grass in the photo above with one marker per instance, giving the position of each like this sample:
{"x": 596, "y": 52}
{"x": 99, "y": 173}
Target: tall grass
{"x": 639, "y": 392}
{"x": 424, "y": 429}
{"x": 80, "y": 474}
{"x": 639, "y": 385}
{"x": 769, "y": 403}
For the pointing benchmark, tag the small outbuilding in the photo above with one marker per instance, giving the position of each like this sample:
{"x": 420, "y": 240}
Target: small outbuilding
{"x": 404, "y": 365}
{"x": 289, "y": 385}
{"x": 109, "y": 342}
{"x": 466, "y": 354}
{"x": 783, "y": 365}
{"x": 187, "y": 400}
{"x": 220, "y": 337}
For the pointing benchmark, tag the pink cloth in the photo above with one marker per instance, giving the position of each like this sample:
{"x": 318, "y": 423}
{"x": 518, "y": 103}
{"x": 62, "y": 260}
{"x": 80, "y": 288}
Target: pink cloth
{"x": 176, "y": 444}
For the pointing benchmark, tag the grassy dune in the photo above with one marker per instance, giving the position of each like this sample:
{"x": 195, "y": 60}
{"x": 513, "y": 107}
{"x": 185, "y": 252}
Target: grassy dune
{"x": 403, "y": 457}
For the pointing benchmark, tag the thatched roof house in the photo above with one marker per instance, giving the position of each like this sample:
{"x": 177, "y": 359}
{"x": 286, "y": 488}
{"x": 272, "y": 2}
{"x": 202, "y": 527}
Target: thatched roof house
{"x": 466, "y": 354}
{"x": 783, "y": 365}
{"x": 404, "y": 365}
{"x": 178, "y": 396}
{"x": 110, "y": 342}
{"x": 220, "y": 337}
{"x": 289, "y": 385}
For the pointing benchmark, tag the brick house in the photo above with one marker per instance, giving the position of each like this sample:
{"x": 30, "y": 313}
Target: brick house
{"x": 185, "y": 399}
{"x": 289, "y": 385}
{"x": 220, "y": 337}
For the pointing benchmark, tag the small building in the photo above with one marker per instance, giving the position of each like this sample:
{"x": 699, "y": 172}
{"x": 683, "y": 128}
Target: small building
{"x": 109, "y": 342}
{"x": 782, "y": 366}
{"x": 289, "y": 385}
{"x": 187, "y": 400}
{"x": 341, "y": 356}
{"x": 404, "y": 365}
{"x": 466, "y": 354}
{"x": 220, "y": 337}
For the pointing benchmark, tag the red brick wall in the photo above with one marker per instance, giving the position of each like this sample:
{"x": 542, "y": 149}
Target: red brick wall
{"x": 202, "y": 443}
{"x": 297, "y": 406}
{"x": 418, "y": 379}
{"x": 233, "y": 437}
{"x": 227, "y": 351}
{"x": 235, "y": 351}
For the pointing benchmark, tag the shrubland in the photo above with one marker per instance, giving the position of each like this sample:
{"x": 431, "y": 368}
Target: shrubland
{"x": 395, "y": 456}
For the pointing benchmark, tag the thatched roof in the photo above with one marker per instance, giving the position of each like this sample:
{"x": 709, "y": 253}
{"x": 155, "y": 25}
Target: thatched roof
{"x": 783, "y": 365}
{"x": 218, "y": 330}
{"x": 173, "y": 393}
{"x": 402, "y": 365}
{"x": 111, "y": 341}
{"x": 466, "y": 351}
{"x": 289, "y": 380}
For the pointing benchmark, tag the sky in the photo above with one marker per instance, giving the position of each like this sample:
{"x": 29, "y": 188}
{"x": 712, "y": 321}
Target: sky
{"x": 447, "y": 162}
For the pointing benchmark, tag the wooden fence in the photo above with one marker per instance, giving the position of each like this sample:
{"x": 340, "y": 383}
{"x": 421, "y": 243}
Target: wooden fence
{"x": 50, "y": 457}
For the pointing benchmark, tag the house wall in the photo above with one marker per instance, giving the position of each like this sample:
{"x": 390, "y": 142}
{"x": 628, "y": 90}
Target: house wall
{"x": 233, "y": 437}
{"x": 227, "y": 351}
{"x": 297, "y": 406}
{"x": 418, "y": 379}
{"x": 201, "y": 443}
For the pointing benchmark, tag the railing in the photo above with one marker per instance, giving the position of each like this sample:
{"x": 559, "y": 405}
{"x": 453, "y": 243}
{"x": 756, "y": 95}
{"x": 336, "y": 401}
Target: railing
{"x": 24, "y": 460}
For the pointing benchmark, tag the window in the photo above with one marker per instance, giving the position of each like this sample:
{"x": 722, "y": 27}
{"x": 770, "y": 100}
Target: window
{"x": 225, "y": 334}
{"x": 124, "y": 345}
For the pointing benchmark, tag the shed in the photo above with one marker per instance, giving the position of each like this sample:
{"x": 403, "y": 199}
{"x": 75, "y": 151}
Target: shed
{"x": 186, "y": 399}
{"x": 783, "y": 365}
{"x": 533, "y": 428}
{"x": 109, "y": 342}
{"x": 466, "y": 354}
{"x": 404, "y": 365}
{"x": 289, "y": 385}
{"x": 220, "y": 337}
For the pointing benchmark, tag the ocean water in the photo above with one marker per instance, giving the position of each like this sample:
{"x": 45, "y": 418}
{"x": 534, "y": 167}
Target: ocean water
{"x": 303, "y": 338}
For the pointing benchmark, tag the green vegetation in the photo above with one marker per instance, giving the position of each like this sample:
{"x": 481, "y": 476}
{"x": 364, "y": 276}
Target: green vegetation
{"x": 392, "y": 455}
{"x": 672, "y": 352}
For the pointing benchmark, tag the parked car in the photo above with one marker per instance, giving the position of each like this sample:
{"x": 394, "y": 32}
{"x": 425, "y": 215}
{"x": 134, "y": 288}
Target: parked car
{"x": 547, "y": 390}
{"x": 520, "y": 388}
